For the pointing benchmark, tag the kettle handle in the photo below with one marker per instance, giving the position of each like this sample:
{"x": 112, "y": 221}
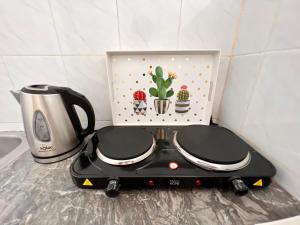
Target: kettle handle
{"x": 71, "y": 98}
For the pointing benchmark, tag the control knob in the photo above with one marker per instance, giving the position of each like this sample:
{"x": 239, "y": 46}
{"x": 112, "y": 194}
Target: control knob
{"x": 239, "y": 187}
{"x": 112, "y": 189}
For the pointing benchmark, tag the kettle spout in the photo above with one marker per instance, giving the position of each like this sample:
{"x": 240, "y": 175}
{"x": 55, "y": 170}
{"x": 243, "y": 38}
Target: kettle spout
{"x": 16, "y": 94}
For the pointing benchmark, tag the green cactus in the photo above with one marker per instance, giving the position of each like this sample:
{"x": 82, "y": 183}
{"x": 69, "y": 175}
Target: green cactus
{"x": 163, "y": 85}
{"x": 183, "y": 95}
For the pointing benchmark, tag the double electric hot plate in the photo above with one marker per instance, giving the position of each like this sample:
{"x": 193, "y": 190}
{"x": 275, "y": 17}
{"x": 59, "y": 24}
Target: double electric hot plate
{"x": 193, "y": 156}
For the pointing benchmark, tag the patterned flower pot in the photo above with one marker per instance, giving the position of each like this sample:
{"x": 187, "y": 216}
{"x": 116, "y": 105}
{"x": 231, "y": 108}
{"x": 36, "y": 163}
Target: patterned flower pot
{"x": 140, "y": 107}
{"x": 182, "y": 106}
{"x": 161, "y": 106}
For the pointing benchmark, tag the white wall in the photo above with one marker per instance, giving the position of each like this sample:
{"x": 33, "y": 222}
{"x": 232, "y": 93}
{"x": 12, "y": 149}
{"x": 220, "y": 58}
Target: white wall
{"x": 62, "y": 42}
{"x": 261, "y": 101}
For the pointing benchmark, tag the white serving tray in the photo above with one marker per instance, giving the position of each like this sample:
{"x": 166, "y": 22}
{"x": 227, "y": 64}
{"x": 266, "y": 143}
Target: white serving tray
{"x": 128, "y": 72}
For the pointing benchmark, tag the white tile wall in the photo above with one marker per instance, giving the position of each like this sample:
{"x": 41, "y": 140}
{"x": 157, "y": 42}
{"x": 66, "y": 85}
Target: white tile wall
{"x": 9, "y": 107}
{"x": 63, "y": 42}
{"x": 87, "y": 75}
{"x": 149, "y": 24}
{"x": 274, "y": 109}
{"x": 26, "y": 28}
{"x": 224, "y": 62}
{"x": 286, "y": 29}
{"x": 209, "y": 24}
{"x": 261, "y": 98}
{"x": 27, "y": 70}
{"x": 239, "y": 87}
{"x": 86, "y": 27}
{"x": 273, "y": 121}
{"x": 268, "y": 25}
{"x": 255, "y": 25}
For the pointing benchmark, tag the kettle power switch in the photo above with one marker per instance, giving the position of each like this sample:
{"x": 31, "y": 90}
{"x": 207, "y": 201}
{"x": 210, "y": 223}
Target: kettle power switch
{"x": 40, "y": 127}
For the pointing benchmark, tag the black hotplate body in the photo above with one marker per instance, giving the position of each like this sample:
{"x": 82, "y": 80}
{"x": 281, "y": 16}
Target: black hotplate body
{"x": 89, "y": 172}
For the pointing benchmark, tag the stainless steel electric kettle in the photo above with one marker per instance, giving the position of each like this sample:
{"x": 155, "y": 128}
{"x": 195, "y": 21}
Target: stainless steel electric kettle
{"x": 51, "y": 123}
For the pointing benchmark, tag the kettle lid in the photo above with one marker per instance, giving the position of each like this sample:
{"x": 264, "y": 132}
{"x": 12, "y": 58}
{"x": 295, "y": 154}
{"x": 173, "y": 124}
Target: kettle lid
{"x": 41, "y": 89}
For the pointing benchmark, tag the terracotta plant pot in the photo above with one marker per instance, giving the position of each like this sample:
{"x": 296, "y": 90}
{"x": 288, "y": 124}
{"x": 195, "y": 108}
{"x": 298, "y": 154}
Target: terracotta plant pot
{"x": 161, "y": 106}
{"x": 140, "y": 107}
{"x": 182, "y": 106}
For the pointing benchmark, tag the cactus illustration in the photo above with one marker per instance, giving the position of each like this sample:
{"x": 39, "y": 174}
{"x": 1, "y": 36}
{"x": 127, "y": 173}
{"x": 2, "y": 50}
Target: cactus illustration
{"x": 161, "y": 104}
{"x": 162, "y": 84}
{"x": 139, "y": 95}
{"x": 139, "y": 102}
{"x": 183, "y": 94}
{"x": 182, "y": 104}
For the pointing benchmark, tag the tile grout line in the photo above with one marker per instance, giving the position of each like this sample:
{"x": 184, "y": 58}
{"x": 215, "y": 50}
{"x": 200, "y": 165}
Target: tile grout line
{"x": 238, "y": 26}
{"x": 268, "y": 51}
{"x": 179, "y": 25}
{"x": 223, "y": 55}
{"x": 118, "y": 24}
{"x": 54, "y": 27}
{"x": 236, "y": 33}
{"x": 259, "y": 74}
{"x": 58, "y": 42}
{"x": 52, "y": 55}
{"x": 13, "y": 55}
{"x": 273, "y": 26}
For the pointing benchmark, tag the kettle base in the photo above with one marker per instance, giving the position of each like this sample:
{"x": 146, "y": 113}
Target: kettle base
{"x": 56, "y": 158}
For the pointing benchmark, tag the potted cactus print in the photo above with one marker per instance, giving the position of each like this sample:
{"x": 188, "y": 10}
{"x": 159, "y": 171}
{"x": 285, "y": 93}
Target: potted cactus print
{"x": 139, "y": 103}
{"x": 182, "y": 103}
{"x": 162, "y": 102}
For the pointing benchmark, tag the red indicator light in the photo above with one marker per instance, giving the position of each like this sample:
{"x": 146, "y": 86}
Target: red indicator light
{"x": 198, "y": 182}
{"x": 173, "y": 165}
{"x": 151, "y": 183}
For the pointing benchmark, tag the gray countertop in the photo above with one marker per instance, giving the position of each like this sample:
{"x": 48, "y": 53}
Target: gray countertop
{"x": 32, "y": 193}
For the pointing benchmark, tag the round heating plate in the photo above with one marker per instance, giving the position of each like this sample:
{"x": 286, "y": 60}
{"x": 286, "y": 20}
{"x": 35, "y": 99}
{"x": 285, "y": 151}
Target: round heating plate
{"x": 122, "y": 146}
{"x": 212, "y": 148}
